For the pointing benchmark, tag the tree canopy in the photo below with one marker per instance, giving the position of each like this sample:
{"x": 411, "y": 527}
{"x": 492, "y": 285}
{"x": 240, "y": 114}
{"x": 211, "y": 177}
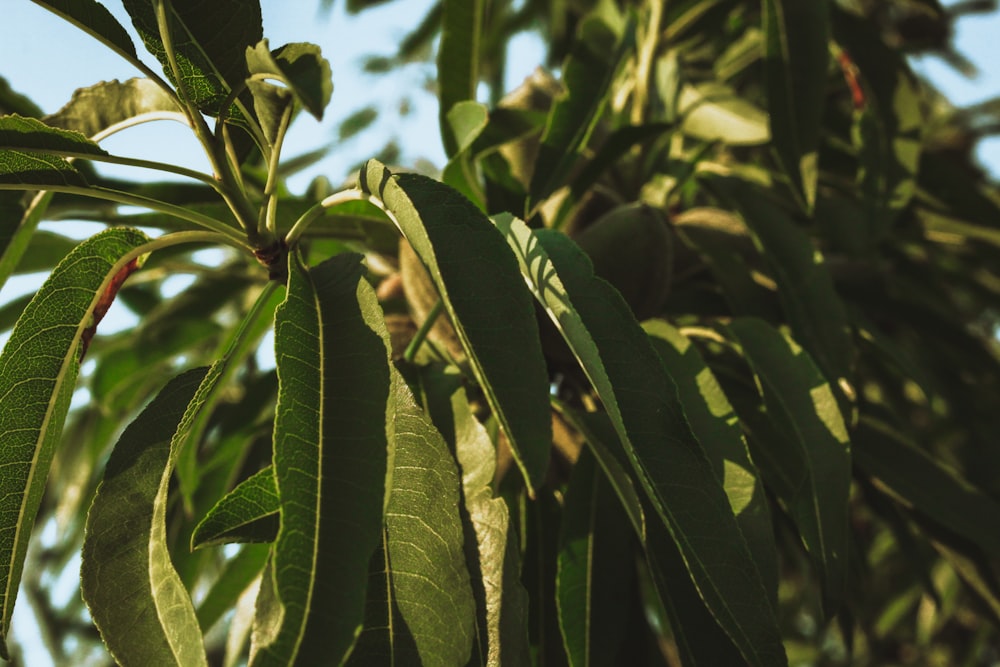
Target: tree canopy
{"x": 686, "y": 356}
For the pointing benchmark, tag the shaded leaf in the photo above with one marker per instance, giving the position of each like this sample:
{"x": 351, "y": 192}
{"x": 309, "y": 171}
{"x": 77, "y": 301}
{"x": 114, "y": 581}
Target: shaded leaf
{"x": 889, "y": 125}
{"x": 239, "y": 573}
{"x": 38, "y": 369}
{"x": 134, "y": 595}
{"x": 45, "y": 250}
{"x": 587, "y": 75}
{"x": 331, "y": 451}
{"x": 248, "y": 513}
{"x": 357, "y": 122}
{"x": 595, "y": 568}
{"x": 808, "y": 462}
{"x": 493, "y": 318}
{"x": 209, "y": 44}
{"x": 795, "y": 63}
{"x": 814, "y": 309}
{"x": 926, "y": 485}
{"x": 300, "y": 66}
{"x": 93, "y": 18}
{"x": 715, "y": 424}
{"x": 640, "y": 398}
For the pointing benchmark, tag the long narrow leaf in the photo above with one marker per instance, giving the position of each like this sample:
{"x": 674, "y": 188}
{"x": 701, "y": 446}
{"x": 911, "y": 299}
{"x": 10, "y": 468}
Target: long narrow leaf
{"x": 717, "y": 428}
{"x": 95, "y": 19}
{"x": 815, "y": 310}
{"x": 810, "y": 456}
{"x": 38, "y": 368}
{"x": 795, "y": 62}
{"x": 422, "y": 611}
{"x": 501, "y": 601}
{"x": 671, "y": 465}
{"x": 458, "y": 58}
{"x": 248, "y": 513}
{"x": 135, "y": 597}
{"x": 332, "y": 443}
{"x": 492, "y": 311}
{"x": 595, "y": 568}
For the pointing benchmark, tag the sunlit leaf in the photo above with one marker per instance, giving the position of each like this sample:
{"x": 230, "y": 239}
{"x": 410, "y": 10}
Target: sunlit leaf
{"x": 135, "y": 597}
{"x": 248, "y": 513}
{"x": 38, "y": 369}
{"x": 587, "y": 74}
{"x": 420, "y": 608}
{"x": 98, "y": 108}
{"x": 808, "y": 462}
{"x": 714, "y": 112}
{"x": 501, "y": 601}
{"x": 715, "y": 424}
{"x": 494, "y": 317}
{"x": 332, "y": 445}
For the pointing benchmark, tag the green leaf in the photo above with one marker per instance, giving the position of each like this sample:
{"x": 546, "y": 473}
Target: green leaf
{"x": 715, "y": 424}
{"x": 30, "y": 154}
{"x": 926, "y": 485}
{"x": 640, "y": 398}
{"x": 239, "y": 573}
{"x": 700, "y": 641}
{"x": 421, "y": 610}
{"x": 587, "y": 76}
{"x": 332, "y": 444}
{"x": 38, "y": 369}
{"x": 888, "y": 129}
{"x": 135, "y": 597}
{"x": 493, "y": 556}
{"x": 796, "y": 36}
{"x": 93, "y": 18}
{"x": 357, "y": 122}
{"x": 18, "y": 226}
{"x": 466, "y": 121}
{"x": 815, "y": 310}
{"x": 209, "y": 41}
{"x": 248, "y": 513}
{"x": 595, "y": 568}
{"x": 712, "y": 111}
{"x": 494, "y": 317}
{"x": 597, "y": 430}
{"x": 94, "y": 110}
{"x": 457, "y": 64}
{"x": 808, "y": 462}
{"x": 239, "y": 344}
{"x": 300, "y": 66}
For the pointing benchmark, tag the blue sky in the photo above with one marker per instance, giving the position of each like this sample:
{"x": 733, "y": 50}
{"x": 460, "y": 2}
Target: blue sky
{"x": 47, "y": 59}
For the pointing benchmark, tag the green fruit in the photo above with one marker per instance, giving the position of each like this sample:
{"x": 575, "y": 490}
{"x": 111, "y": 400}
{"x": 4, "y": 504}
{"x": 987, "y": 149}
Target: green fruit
{"x": 631, "y": 247}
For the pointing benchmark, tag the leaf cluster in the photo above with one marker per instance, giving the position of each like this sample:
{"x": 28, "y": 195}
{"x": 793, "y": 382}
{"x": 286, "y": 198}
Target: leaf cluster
{"x": 686, "y": 355}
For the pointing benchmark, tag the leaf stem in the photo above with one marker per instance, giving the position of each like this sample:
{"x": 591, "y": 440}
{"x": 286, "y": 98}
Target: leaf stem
{"x": 128, "y": 199}
{"x": 267, "y": 221}
{"x": 317, "y": 211}
{"x": 425, "y": 328}
{"x": 220, "y": 163}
